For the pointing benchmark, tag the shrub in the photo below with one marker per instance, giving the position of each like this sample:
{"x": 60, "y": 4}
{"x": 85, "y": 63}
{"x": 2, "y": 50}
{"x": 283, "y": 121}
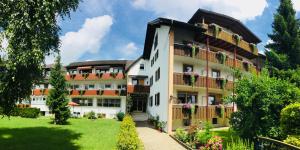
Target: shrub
{"x": 91, "y": 115}
{"x": 293, "y": 139}
{"x": 101, "y": 115}
{"x": 290, "y": 119}
{"x": 120, "y": 116}
{"x": 203, "y": 137}
{"x": 29, "y": 112}
{"x": 240, "y": 144}
{"x": 128, "y": 137}
{"x": 214, "y": 143}
{"x": 181, "y": 135}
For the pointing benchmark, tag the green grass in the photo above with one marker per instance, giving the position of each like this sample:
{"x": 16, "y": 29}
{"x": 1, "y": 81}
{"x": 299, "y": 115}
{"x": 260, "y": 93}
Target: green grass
{"x": 35, "y": 134}
{"x": 226, "y": 135}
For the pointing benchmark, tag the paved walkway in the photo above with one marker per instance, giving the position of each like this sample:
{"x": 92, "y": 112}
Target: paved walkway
{"x": 154, "y": 140}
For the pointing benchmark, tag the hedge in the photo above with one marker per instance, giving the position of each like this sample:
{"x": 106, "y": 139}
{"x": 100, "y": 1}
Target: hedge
{"x": 24, "y": 112}
{"x": 128, "y": 137}
{"x": 290, "y": 119}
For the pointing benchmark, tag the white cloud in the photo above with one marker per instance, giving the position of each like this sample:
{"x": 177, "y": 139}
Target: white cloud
{"x": 93, "y": 7}
{"x": 85, "y": 40}
{"x": 296, "y": 4}
{"x": 184, "y": 9}
{"x": 129, "y": 49}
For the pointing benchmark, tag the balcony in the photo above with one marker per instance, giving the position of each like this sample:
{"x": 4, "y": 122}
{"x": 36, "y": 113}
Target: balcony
{"x": 97, "y": 92}
{"x": 199, "y": 114}
{"x": 243, "y": 47}
{"x": 95, "y": 76}
{"x": 200, "y": 81}
{"x": 213, "y": 57}
{"x": 39, "y": 92}
{"x": 138, "y": 89}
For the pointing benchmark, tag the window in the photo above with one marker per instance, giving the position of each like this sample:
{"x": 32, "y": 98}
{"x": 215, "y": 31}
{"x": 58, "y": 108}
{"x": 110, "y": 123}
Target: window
{"x": 151, "y": 101}
{"x": 109, "y": 102}
{"x": 215, "y": 73}
{"x": 46, "y": 86}
{"x": 187, "y": 97}
{"x": 188, "y": 68}
{"x": 214, "y": 120}
{"x": 156, "y": 55}
{"x": 44, "y": 98}
{"x": 155, "y": 41}
{"x": 91, "y": 86}
{"x": 86, "y": 87}
{"x": 135, "y": 81}
{"x": 73, "y": 71}
{"x": 157, "y": 74}
{"x": 142, "y": 66}
{"x": 122, "y": 87}
{"x": 152, "y": 62}
{"x": 211, "y": 100}
{"x": 33, "y": 99}
{"x": 107, "y": 86}
{"x": 83, "y": 101}
{"x": 157, "y": 99}
{"x": 151, "y": 80}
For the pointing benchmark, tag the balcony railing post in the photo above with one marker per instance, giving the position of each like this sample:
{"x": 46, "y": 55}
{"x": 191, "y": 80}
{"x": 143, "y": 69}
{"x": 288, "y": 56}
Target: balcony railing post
{"x": 207, "y": 49}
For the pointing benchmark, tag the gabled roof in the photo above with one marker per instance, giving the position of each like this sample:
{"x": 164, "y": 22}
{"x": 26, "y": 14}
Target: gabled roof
{"x": 99, "y": 62}
{"x": 225, "y": 21}
{"x": 157, "y": 23}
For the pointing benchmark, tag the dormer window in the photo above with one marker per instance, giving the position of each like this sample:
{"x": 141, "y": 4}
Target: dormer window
{"x": 142, "y": 66}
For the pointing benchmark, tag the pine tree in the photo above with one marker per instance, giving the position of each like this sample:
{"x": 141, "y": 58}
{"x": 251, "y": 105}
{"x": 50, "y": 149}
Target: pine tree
{"x": 285, "y": 49}
{"x": 57, "y": 100}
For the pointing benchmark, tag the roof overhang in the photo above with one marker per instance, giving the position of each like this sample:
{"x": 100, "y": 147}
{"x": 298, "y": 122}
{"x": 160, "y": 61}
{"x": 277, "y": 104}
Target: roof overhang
{"x": 225, "y": 21}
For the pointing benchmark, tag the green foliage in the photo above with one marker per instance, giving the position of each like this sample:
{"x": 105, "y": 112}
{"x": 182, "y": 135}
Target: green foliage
{"x": 221, "y": 57}
{"x": 91, "y": 115}
{"x": 214, "y": 143}
{"x": 290, "y": 119}
{"x": 285, "y": 37}
{"x": 120, "y": 116}
{"x": 129, "y": 103}
{"x": 237, "y": 38}
{"x": 240, "y": 144}
{"x": 181, "y": 135}
{"x": 253, "y": 47}
{"x": 57, "y": 100}
{"x": 216, "y": 29}
{"x": 259, "y": 100}
{"x": 24, "y": 112}
{"x": 192, "y": 79}
{"x": 203, "y": 137}
{"x": 293, "y": 140}
{"x": 128, "y": 137}
{"x": 32, "y": 32}
{"x": 29, "y": 112}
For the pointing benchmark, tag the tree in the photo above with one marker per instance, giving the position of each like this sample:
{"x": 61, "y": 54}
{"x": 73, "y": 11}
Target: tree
{"x": 57, "y": 100}
{"x": 260, "y": 100}
{"x": 285, "y": 48}
{"x": 30, "y": 27}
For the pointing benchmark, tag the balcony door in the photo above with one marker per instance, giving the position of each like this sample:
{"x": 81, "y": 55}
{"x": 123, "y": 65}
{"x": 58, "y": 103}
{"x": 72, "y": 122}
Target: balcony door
{"x": 139, "y": 105}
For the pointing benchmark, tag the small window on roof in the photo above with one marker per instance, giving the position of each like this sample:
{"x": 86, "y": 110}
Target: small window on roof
{"x": 142, "y": 66}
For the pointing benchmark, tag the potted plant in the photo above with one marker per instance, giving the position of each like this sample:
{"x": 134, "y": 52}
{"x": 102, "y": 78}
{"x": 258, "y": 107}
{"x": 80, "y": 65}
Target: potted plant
{"x": 85, "y": 75}
{"x": 216, "y": 29}
{"x": 246, "y": 66}
{"x": 220, "y": 109}
{"x": 193, "y": 47}
{"x": 187, "y": 112}
{"x": 253, "y": 47}
{"x": 113, "y": 74}
{"x": 81, "y": 92}
{"x": 221, "y": 57}
{"x": 161, "y": 125}
{"x": 237, "y": 38}
{"x": 99, "y": 75}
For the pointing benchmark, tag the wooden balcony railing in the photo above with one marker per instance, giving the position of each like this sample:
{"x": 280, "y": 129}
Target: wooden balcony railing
{"x": 95, "y": 76}
{"x": 212, "y": 57}
{"x": 200, "y": 81}
{"x": 138, "y": 89}
{"x": 228, "y": 37}
{"x": 200, "y": 112}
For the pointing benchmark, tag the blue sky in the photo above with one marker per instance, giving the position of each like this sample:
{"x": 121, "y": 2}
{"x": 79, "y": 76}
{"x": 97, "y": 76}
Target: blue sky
{"x": 115, "y": 29}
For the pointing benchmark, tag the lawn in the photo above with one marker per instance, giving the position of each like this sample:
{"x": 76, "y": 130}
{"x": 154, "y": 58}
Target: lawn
{"x": 35, "y": 134}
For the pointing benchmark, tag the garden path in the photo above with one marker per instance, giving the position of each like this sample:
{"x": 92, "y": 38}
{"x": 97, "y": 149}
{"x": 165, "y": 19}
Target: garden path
{"x": 155, "y": 140}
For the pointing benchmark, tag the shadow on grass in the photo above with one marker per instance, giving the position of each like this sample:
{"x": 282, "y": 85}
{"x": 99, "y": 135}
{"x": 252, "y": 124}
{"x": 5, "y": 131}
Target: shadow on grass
{"x": 37, "y": 138}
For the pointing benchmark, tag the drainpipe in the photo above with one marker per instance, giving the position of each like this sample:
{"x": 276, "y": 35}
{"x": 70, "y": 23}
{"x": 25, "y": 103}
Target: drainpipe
{"x": 207, "y": 48}
{"x": 234, "y": 66}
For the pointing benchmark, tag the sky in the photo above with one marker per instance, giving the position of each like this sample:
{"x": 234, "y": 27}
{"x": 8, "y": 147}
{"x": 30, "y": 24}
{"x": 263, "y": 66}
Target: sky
{"x": 116, "y": 29}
